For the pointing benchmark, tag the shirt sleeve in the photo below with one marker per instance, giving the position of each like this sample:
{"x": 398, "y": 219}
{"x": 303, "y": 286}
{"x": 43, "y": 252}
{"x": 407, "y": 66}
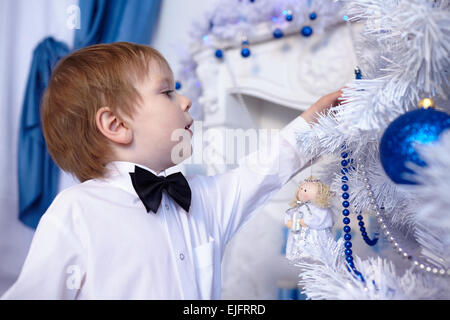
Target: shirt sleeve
{"x": 239, "y": 192}
{"x": 53, "y": 268}
{"x": 318, "y": 218}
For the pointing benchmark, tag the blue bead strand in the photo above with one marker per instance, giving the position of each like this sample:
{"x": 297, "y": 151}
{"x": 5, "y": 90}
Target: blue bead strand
{"x": 346, "y": 220}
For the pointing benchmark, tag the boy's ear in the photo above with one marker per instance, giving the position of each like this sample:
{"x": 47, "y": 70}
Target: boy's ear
{"x": 113, "y": 127}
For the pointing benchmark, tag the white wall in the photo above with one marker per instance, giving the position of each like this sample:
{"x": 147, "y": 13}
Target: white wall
{"x": 23, "y": 24}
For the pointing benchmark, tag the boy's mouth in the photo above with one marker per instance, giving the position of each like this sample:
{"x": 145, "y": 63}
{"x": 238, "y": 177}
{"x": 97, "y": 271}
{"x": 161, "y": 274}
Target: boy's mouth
{"x": 188, "y": 127}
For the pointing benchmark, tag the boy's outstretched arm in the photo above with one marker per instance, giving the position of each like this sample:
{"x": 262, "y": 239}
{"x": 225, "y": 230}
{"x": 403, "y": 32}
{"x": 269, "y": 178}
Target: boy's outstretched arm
{"x": 235, "y": 194}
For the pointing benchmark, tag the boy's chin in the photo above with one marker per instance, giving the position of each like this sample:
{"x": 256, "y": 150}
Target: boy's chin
{"x": 181, "y": 155}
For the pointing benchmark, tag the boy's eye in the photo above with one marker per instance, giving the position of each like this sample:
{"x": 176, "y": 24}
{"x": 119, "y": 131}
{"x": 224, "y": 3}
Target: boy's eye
{"x": 168, "y": 93}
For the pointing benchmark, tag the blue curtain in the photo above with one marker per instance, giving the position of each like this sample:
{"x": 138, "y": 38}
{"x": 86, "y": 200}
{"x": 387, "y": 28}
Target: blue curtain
{"x": 102, "y": 21}
{"x": 38, "y": 175}
{"x": 106, "y": 21}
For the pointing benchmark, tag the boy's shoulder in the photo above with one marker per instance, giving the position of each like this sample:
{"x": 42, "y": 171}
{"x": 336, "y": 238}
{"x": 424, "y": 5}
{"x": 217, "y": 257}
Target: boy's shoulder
{"x": 75, "y": 198}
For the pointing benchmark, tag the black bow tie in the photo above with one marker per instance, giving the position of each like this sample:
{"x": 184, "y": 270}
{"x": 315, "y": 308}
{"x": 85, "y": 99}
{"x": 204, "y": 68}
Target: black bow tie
{"x": 149, "y": 188}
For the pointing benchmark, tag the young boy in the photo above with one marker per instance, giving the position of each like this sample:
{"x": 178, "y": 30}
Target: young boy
{"x": 129, "y": 230}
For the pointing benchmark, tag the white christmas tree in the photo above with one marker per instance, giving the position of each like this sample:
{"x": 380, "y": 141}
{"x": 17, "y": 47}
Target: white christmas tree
{"x": 404, "y": 56}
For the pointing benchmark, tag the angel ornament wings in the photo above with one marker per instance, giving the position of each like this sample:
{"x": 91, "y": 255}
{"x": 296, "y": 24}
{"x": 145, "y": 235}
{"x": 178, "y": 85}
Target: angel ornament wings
{"x": 309, "y": 219}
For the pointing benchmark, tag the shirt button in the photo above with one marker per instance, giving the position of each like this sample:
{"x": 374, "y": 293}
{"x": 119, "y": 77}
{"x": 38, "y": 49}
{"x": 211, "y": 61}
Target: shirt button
{"x": 181, "y": 256}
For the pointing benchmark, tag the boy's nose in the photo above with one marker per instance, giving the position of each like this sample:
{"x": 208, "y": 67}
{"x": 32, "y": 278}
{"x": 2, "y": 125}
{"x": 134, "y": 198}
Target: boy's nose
{"x": 187, "y": 103}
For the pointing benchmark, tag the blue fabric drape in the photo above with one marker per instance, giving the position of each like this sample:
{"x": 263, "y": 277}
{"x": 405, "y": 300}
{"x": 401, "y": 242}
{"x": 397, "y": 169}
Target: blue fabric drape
{"x": 38, "y": 175}
{"x": 106, "y": 21}
{"x": 102, "y": 21}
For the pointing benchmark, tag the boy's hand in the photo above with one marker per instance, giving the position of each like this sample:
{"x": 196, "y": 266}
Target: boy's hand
{"x": 303, "y": 224}
{"x": 324, "y": 103}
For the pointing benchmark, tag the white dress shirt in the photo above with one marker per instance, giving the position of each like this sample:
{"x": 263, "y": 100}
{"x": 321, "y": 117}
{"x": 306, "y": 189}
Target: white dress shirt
{"x": 97, "y": 241}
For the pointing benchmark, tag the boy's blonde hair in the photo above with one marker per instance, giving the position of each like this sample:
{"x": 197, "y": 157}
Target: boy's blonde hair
{"x": 83, "y": 82}
{"x": 324, "y": 194}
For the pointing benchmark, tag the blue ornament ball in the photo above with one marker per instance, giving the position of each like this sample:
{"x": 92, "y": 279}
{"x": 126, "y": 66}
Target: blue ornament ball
{"x": 245, "y": 52}
{"x": 306, "y": 31}
{"x": 312, "y": 16}
{"x": 177, "y": 85}
{"x": 397, "y": 146}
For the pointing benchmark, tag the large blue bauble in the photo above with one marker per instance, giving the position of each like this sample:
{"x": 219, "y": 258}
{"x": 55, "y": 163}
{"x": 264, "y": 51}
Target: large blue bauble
{"x": 421, "y": 126}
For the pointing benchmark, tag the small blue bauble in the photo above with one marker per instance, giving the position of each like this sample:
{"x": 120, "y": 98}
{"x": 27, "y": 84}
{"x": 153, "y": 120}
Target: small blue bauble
{"x": 345, "y": 195}
{"x": 306, "y": 31}
{"x": 245, "y": 52}
{"x": 345, "y": 212}
{"x": 347, "y": 244}
{"x": 347, "y": 237}
{"x": 277, "y": 33}
{"x": 344, "y": 187}
{"x": 346, "y": 220}
{"x": 347, "y": 229}
{"x": 312, "y": 16}
{"x": 219, "y": 54}
{"x": 289, "y": 17}
{"x": 177, "y": 85}
{"x": 397, "y": 146}
{"x": 345, "y": 204}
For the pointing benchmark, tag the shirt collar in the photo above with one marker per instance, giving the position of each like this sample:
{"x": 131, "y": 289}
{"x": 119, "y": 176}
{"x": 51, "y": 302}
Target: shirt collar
{"x": 124, "y": 168}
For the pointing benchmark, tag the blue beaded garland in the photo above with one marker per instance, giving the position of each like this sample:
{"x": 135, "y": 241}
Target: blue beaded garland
{"x": 346, "y": 220}
{"x": 219, "y": 54}
{"x": 348, "y": 252}
{"x": 344, "y": 163}
{"x": 347, "y": 237}
{"x": 345, "y": 212}
{"x": 361, "y": 223}
{"x": 344, "y": 155}
{"x": 345, "y": 195}
{"x": 344, "y": 170}
{"x": 344, "y": 179}
{"x": 349, "y": 258}
{"x": 277, "y": 33}
{"x": 348, "y": 244}
{"x": 347, "y": 229}
{"x": 364, "y": 234}
{"x": 345, "y": 204}
{"x": 306, "y": 31}
{"x": 344, "y": 187}
{"x": 359, "y": 217}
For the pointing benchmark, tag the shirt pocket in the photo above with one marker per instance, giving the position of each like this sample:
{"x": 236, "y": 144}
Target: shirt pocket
{"x": 204, "y": 265}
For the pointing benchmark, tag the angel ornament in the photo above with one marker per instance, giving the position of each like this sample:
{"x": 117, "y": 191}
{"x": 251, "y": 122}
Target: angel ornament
{"x": 309, "y": 219}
